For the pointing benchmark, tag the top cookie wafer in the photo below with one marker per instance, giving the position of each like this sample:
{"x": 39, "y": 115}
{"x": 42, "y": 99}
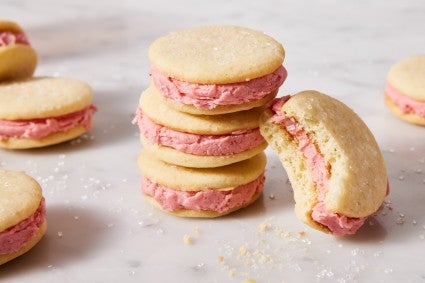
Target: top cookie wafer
{"x": 42, "y": 97}
{"x": 10, "y": 26}
{"x": 408, "y": 77}
{"x": 216, "y": 54}
{"x": 20, "y": 196}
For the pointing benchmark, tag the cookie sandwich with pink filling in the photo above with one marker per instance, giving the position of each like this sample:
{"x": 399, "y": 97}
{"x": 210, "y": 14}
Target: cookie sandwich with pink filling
{"x": 42, "y": 111}
{"x": 22, "y": 214}
{"x": 201, "y": 192}
{"x": 197, "y": 140}
{"x": 332, "y": 159}
{"x": 217, "y": 69}
{"x": 405, "y": 90}
{"x": 17, "y": 58}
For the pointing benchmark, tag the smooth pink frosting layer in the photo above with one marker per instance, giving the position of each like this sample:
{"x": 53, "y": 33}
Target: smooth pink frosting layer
{"x": 16, "y": 237}
{"x": 38, "y": 128}
{"x": 211, "y": 145}
{"x": 209, "y": 96}
{"x": 209, "y": 200}
{"x": 10, "y": 38}
{"x": 406, "y": 104}
{"x": 338, "y": 224}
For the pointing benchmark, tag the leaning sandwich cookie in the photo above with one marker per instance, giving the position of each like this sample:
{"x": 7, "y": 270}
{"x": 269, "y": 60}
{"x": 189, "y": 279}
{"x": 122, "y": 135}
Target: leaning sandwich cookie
{"x": 17, "y": 58}
{"x": 42, "y": 111}
{"x": 201, "y": 192}
{"x": 23, "y": 214}
{"x": 217, "y": 69}
{"x": 197, "y": 140}
{"x": 332, "y": 160}
{"x": 405, "y": 90}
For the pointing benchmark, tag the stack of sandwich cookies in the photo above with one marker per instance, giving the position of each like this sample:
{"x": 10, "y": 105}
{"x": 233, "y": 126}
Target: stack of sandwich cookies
{"x": 17, "y": 58}
{"x": 42, "y": 111}
{"x": 332, "y": 160}
{"x": 22, "y": 214}
{"x": 199, "y": 119}
{"x": 405, "y": 90}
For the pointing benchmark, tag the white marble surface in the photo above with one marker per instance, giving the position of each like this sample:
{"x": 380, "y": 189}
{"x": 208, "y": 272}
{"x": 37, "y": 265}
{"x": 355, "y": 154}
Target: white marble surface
{"x": 100, "y": 230}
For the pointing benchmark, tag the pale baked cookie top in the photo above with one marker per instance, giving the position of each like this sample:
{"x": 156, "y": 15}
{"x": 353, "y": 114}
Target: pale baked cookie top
{"x": 43, "y": 97}
{"x": 20, "y": 196}
{"x": 195, "y": 179}
{"x": 6, "y": 25}
{"x": 216, "y": 54}
{"x": 153, "y": 106}
{"x": 408, "y": 77}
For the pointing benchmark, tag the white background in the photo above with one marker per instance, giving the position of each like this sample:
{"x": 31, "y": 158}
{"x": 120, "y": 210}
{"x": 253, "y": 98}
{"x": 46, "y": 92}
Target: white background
{"x": 101, "y": 230}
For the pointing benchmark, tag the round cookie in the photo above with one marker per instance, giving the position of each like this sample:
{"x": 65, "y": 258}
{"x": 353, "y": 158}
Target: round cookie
{"x": 197, "y": 140}
{"x": 217, "y": 69}
{"x": 17, "y": 58}
{"x": 405, "y": 90}
{"x": 216, "y": 54}
{"x": 42, "y": 111}
{"x": 205, "y": 192}
{"x": 332, "y": 160}
{"x": 22, "y": 217}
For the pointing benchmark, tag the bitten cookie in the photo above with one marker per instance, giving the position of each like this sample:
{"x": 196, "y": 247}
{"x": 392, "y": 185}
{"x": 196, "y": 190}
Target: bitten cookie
{"x": 22, "y": 214}
{"x": 197, "y": 140}
{"x": 217, "y": 69}
{"x": 42, "y": 111}
{"x": 201, "y": 192}
{"x": 333, "y": 162}
{"x": 405, "y": 90}
{"x": 17, "y": 58}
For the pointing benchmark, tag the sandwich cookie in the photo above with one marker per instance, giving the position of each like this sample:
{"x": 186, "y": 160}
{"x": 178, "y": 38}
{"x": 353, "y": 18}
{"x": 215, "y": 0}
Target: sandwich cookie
{"x": 333, "y": 162}
{"x": 42, "y": 111}
{"x": 405, "y": 90}
{"x": 17, "y": 58}
{"x": 22, "y": 214}
{"x": 197, "y": 140}
{"x": 217, "y": 69}
{"x": 201, "y": 192}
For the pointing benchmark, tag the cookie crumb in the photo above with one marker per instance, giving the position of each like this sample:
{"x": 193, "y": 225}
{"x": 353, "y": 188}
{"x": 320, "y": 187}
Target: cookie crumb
{"x": 232, "y": 273}
{"x": 250, "y": 280}
{"x": 188, "y": 240}
{"x": 243, "y": 250}
{"x": 220, "y": 259}
{"x": 263, "y": 227}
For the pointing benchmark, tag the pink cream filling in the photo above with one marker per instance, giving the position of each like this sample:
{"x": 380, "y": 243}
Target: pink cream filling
{"x": 38, "y": 128}
{"x": 10, "y": 38}
{"x": 338, "y": 224}
{"x": 16, "y": 237}
{"x": 211, "y": 145}
{"x": 406, "y": 104}
{"x": 209, "y": 96}
{"x": 209, "y": 200}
